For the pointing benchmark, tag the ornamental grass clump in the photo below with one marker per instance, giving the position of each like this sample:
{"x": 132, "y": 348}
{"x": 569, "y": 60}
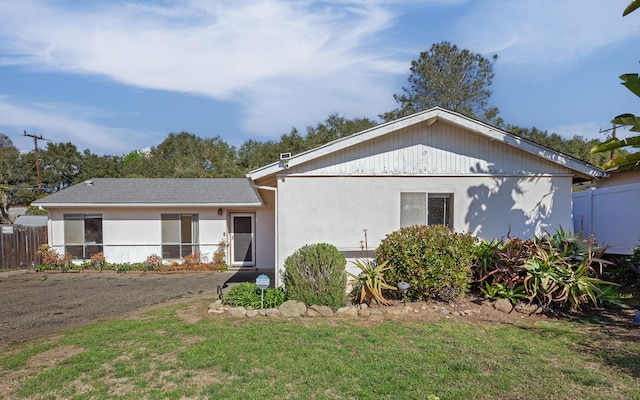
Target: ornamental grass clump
{"x": 315, "y": 275}
{"x": 368, "y": 284}
{"x": 249, "y": 295}
{"x": 434, "y": 260}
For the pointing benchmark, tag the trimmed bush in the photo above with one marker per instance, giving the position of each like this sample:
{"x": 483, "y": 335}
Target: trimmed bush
{"x": 315, "y": 274}
{"x": 434, "y": 260}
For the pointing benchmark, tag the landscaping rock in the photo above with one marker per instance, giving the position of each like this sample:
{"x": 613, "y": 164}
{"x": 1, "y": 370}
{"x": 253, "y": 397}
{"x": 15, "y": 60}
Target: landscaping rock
{"x": 217, "y": 311}
{"x": 272, "y": 312}
{"x": 347, "y": 312}
{"x": 292, "y": 308}
{"x": 503, "y": 305}
{"x": 237, "y": 312}
{"x": 364, "y": 312}
{"x": 529, "y": 309}
{"x": 215, "y": 305}
{"x": 252, "y": 313}
{"x": 375, "y": 311}
{"x": 319, "y": 311}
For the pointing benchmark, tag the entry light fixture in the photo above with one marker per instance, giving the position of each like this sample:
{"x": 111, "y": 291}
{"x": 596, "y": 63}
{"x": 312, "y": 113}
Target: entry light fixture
{"x": 219, "y": 211}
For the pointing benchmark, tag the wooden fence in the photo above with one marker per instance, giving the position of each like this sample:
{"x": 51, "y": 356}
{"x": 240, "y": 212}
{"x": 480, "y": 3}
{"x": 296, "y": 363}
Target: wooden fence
{"x": 19, "y": 246}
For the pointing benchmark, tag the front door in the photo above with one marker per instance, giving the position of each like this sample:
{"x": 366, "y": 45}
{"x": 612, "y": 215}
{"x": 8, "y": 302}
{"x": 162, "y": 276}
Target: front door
{"x": 242, "y": 240}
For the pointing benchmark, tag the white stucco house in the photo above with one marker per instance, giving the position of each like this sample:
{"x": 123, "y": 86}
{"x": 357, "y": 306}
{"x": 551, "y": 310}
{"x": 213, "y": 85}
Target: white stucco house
{"x": 433, "y": 167}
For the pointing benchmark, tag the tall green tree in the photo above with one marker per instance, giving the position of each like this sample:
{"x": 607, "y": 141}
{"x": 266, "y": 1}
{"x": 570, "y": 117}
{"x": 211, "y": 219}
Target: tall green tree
{"x": 95, "y": 166}
{"x": 449, "y": 77}
{"x": 254, "y": 154}
{"x": 60, "y": 166}
{"x": 186, "y": 155}
{"x": 9, "y": 156}
{"x": 630, "y": 160}
{"x": 335, "y": 127}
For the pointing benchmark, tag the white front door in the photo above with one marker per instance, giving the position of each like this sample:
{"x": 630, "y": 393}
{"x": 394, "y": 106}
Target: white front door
{"x": 242, "y": 240}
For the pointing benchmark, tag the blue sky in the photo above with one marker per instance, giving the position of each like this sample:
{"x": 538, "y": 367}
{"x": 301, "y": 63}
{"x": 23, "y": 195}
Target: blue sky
{"x": 114, "y": 75}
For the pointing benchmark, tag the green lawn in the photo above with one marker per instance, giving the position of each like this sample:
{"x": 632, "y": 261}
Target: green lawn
{"x": 160, "y": 356}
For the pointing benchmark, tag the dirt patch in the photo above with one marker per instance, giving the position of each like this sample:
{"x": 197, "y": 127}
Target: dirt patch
{"x": 39, "y": 304}
{"x": 52, "y": 357}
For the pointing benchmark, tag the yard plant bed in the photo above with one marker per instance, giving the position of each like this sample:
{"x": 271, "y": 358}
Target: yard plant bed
{"x": 155, "y": 339}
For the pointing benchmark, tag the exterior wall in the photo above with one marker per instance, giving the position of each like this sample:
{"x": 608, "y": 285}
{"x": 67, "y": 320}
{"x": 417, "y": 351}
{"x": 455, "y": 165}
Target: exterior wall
{"x": 337, "y": 210}
{"x": 619, "y": 178}
{"x": 611, "y": 215}
{"x": 265, "y": 237}
{"x": 133, "y": 234}
{"x": 423, "y": 149}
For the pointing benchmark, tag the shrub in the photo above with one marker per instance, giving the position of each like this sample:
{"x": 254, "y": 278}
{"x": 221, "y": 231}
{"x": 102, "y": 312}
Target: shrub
{"x": 245, "y": 294}
{"x": 315, "y": 274}
{"x": 220, "y": 256}
{"x": 434, "y": 260}
{"x": 551, "y": 270}
{"x": 193, "y": 259}
{"x": 248, "y": 295}
{"x": 153, "y": 262}
{"x": 98, "y": 260}
{"x": 50, "y": 259}
{"x": 500, "y": 268}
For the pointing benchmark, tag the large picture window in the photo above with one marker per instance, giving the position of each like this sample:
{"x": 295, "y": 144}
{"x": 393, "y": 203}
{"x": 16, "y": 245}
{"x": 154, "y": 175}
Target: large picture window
{"x": 420, "y": 208}
{"x": 179, "y": 235}
{"x": 82, "y": 235}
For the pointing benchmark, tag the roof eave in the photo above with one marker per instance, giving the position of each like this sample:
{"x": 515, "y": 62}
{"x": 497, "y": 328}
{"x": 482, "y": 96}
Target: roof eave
{"x": 147, "y": 205}
{"x": 584, "y": 169}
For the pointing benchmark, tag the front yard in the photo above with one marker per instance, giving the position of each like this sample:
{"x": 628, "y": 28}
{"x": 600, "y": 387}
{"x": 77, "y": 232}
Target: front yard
{"x": 179, "y": 352}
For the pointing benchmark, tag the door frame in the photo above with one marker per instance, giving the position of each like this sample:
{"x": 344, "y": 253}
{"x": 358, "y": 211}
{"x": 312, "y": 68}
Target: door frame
{"x": 242, "y": 263}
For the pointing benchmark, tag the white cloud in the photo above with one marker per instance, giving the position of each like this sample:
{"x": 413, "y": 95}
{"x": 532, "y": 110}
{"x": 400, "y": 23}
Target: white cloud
{"x": 210, "y": 48}
{"x": 551, "y": 32}
{"x": 264, "y": 53}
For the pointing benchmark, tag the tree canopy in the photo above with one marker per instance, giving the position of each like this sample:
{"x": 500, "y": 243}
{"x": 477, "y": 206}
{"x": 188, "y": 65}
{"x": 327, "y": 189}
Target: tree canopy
{"x": 449, "y": 77}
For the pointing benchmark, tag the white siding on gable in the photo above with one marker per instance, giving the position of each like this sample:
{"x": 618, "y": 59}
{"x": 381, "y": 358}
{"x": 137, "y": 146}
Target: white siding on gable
{"x": 438, "y": 149}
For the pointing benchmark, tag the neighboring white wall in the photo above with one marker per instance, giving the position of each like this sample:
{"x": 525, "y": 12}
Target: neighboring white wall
{"x": 133, "y": 234}
{"x": 611, "y": 214}
{"x": 336, "y": 210}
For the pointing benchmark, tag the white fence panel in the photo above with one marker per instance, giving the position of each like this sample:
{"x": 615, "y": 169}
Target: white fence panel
{"x": 611, "y": 214}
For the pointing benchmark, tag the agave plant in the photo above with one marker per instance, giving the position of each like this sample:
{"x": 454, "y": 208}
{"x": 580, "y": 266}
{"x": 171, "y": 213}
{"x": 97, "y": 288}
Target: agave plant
{"x": 370, "y": 280}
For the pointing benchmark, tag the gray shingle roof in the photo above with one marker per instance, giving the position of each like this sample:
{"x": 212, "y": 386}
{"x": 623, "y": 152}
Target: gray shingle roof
{"x": 31, "y": 220}
{"x": 142, "y": 191}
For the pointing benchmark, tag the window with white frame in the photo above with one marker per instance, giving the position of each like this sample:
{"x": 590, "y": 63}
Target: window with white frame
{"x": 82, "y": 235}
{"x": 179, "y": 235}
{"x": 421, "y": 208}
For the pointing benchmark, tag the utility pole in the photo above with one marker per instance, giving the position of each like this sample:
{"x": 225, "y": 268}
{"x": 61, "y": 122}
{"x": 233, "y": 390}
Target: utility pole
{"x": 613, "y": 135}
{"x": 35, "y": 144}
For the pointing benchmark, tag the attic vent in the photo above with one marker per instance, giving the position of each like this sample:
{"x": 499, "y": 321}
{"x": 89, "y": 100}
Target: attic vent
{"x": 285, "y": 156}
{"x": 89, "y": 183}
